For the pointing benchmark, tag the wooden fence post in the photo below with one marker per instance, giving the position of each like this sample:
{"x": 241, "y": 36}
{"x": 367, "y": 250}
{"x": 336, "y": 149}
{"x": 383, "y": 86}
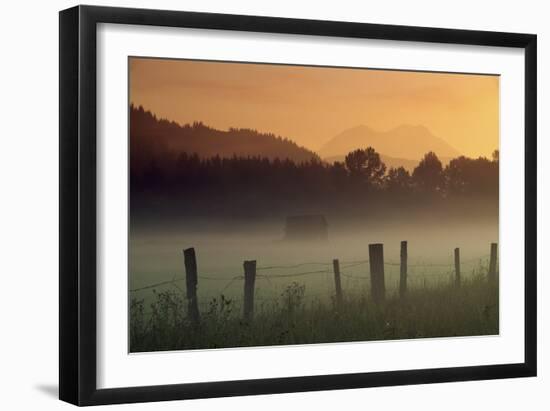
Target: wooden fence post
{"x": 377, "y": 282}
{"x": 191, "y": 285}
{"x": 249, "y": 281}
{"x": 457, "y": 267}
{"x": 337, "y": 282}
{"x": 493, "y": 263}
{"x": 403, "y": 271}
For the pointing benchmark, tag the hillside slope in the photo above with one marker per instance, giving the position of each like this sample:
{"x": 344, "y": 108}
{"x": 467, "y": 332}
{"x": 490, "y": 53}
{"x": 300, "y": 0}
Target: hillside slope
{"x": 158, "y": 139}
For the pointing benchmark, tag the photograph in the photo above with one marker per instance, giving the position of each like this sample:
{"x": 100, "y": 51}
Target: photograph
{"x": 278, "y": 204}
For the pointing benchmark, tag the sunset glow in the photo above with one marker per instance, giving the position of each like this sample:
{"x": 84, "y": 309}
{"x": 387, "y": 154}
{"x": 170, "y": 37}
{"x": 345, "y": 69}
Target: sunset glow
{"x": 311, "y": 105}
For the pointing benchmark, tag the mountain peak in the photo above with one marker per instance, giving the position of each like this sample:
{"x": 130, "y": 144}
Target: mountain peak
{"x": 411, "y": 127}
{"x": 359, "y": 127}
{"x": 404, "y": 141}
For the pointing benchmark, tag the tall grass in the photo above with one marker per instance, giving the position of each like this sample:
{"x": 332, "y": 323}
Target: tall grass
{"x": 437, "y": 311}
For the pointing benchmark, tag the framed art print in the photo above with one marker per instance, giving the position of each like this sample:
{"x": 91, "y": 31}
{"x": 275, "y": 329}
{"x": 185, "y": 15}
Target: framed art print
{"x": 255, "y": 205}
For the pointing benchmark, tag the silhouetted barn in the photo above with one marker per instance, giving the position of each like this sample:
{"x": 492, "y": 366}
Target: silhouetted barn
{"x": 306, "y": 227}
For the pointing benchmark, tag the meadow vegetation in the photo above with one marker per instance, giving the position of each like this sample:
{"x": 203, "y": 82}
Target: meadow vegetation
{"x": 425, "y": 312}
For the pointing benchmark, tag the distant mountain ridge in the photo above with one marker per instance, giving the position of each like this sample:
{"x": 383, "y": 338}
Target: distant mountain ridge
{"x": 403, "y": 142}
{"x": 390, "y": 162}
{"x": 159, "y": 139}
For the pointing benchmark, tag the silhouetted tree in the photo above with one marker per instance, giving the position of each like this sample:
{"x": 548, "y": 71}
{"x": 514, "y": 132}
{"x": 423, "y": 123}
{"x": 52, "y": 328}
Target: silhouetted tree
{"x": 472, "y": 177}
{"x": 398, "y": 180}
{"x": 428, "y": 175}
{"x": 366, "y": 166}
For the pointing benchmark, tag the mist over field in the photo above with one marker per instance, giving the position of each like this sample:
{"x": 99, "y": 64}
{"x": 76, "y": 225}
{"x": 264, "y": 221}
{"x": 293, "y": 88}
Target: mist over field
{"x": 156, "y": 253}
{"x": 294, "y": 298}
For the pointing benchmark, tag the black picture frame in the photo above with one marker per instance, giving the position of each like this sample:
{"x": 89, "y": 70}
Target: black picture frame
{"x": 77, "y": 275}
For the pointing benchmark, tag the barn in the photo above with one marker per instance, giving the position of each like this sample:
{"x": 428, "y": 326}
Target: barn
{"x": 306, "y": 227}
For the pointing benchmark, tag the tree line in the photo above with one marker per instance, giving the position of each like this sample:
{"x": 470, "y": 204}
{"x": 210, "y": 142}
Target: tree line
{"x": 362, "y": 170}
{"x": 247, "y": 187}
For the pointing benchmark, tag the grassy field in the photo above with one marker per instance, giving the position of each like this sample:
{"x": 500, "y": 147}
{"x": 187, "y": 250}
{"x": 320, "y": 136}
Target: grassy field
{"x": 429, "y": 311}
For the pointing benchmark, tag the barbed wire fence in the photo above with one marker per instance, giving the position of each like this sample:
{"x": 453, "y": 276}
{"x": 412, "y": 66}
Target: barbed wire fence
{"x": 374, "y": 273}
{"x": 229, "y": 280}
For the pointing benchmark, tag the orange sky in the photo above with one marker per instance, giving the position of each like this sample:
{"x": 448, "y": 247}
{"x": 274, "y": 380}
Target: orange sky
{"x": 310, "y": 105}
